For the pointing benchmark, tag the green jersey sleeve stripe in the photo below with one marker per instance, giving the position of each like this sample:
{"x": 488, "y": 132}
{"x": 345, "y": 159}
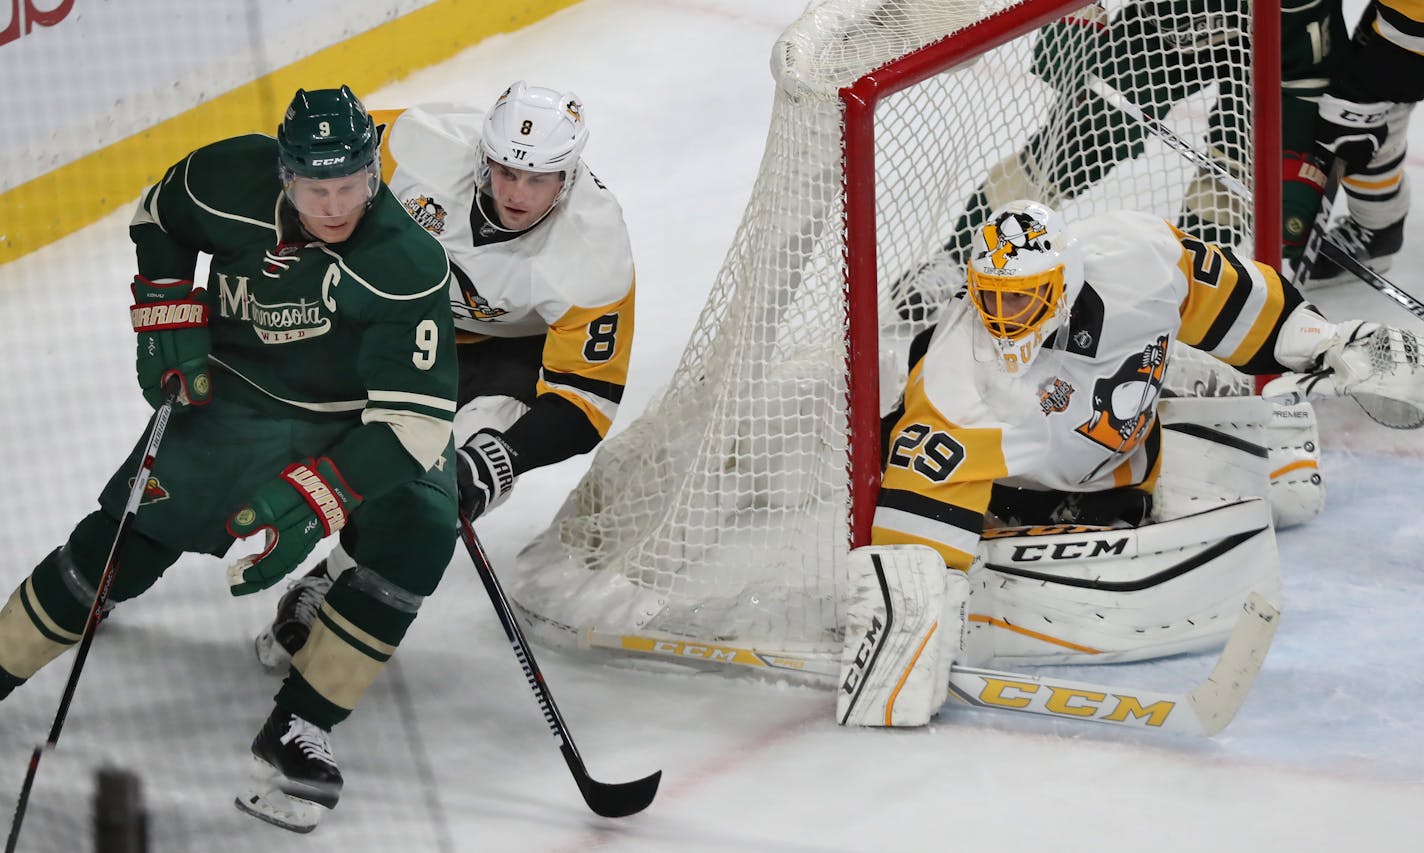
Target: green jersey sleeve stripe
{"x": 442, "y": 404}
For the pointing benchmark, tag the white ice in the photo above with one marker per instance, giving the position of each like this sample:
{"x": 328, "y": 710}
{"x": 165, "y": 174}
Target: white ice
{"x": 449, "y": 752}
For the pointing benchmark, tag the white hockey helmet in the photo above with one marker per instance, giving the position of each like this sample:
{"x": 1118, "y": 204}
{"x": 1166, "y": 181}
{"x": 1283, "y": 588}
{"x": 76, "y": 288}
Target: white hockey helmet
{"x": 1026, "y": 270}
{"x": 536, "y": 129}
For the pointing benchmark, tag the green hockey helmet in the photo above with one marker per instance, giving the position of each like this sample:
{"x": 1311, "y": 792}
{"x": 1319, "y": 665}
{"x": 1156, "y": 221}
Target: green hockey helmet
{"x": 326, "y": 133}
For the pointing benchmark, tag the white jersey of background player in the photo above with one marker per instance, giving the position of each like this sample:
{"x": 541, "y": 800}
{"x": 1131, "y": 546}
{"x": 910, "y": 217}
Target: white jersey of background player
{"x": 1034, "y": 401}
{"x": 542, "y": 293}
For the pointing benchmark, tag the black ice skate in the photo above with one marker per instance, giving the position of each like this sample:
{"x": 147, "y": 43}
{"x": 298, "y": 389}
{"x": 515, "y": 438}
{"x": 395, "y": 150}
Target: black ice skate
{"x": 294, "y": 775}
{"x": 1375, "y": 249}
{"x": 296, "y": 610}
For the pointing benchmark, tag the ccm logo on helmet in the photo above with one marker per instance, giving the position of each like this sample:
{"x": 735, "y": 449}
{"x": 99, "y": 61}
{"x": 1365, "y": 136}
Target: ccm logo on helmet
{"x": 328, "y": 161}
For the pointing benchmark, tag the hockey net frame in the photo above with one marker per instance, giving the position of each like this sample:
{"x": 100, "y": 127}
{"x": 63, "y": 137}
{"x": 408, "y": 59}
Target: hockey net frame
{"x": 593, "y": 579}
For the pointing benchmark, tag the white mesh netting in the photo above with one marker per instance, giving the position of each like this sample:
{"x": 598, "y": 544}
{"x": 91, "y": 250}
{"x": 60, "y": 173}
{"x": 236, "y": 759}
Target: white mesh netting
{"x": 721, "y": 514}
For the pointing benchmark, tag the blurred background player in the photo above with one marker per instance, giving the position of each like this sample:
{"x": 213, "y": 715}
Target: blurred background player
{"x": 1364, "y": 120}
{"x": 1156, "y": 54}
{"x": 542, "y": 296}
{"x": 318, "y": 383}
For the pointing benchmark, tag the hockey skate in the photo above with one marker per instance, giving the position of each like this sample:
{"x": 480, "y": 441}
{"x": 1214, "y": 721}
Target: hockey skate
{"x": 1375, "y": 249}
{"x": 296, "y": 610}
{"x": 294, "y": 775}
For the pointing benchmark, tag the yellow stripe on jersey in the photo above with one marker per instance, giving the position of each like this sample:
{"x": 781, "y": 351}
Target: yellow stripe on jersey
{"x": 586, "y": 355}
{"x": 1407, "y": 29}
{"x": 1232, "y": 305}
{"x": 384, "y": 120}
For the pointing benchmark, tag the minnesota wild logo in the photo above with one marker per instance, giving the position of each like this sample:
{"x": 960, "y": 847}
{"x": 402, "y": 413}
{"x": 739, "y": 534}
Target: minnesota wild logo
{"x": 153, "y": 491}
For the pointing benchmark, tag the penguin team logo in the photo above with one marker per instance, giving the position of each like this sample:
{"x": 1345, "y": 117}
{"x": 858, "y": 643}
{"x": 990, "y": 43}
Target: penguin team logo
{"x": 1125, "y": 403}
{"x": 1054, "y": 396}
{"x": 426, "y": 213}
{"x": 153, "y": 491}
{"x": 1015, "y": 231}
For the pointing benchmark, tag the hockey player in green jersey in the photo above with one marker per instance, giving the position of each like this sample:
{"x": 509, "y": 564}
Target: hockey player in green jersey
{"x": 318, "y": 386}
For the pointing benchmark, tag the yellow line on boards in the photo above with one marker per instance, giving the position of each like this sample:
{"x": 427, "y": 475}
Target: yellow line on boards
{"x": 77, "y": 194}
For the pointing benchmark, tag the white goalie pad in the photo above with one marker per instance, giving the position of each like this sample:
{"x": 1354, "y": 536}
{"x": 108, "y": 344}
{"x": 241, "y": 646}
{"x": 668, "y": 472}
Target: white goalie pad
{"x": 1048, "y": 596}
{"x": 904, "y": 630}
{"x": 1218, "y": 450}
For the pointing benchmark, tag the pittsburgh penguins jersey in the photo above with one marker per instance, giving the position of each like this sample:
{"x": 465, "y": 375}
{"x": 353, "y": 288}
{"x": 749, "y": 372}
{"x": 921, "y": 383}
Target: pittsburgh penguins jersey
{"x": 1387, "y": 55}
{"x": 305, "y": 329}
{"x": 570, "y": 277}
{"x": 1081, "y": 416}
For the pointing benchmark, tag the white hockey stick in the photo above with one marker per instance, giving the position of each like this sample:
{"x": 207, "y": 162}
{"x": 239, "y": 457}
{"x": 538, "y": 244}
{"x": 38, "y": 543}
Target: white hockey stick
{"x": 1205, "y": 710}
{"x": 1330, "y": 248}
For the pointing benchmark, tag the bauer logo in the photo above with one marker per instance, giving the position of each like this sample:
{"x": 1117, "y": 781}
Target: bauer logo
{"x": 1063, "y": 701}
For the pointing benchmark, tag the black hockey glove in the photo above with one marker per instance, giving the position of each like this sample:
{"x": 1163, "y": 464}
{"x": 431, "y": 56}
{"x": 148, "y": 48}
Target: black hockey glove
{"x": 486, "y": 473}
{"x": 1352, "y": 131}
{"x": 171, "y": 319}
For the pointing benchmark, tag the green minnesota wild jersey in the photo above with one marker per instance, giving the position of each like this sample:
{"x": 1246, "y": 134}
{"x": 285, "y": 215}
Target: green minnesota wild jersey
{"x": 304, "y": 330}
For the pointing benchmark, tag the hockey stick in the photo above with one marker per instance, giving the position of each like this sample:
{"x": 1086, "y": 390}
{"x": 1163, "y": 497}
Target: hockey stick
{"x": 1204, "y": 710}
{"x": 1319, "y": 234}
{"x": 607, "y": 799}
{"x": 101, "y": 598}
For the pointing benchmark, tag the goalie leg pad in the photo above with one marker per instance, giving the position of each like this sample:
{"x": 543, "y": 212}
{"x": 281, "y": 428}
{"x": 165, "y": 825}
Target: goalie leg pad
{"x": 1043, "y": 596}
{"x": 904, "y": 629}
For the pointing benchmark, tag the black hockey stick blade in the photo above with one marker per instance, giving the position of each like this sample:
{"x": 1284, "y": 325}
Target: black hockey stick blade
{"x": 615, "y": 799}
{"x": 612, "y": 799}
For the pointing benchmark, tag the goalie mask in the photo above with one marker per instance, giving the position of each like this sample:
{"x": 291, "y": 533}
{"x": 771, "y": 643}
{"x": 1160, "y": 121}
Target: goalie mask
{"x": 534, "y": 129}
{"x": 1025, "y": 272}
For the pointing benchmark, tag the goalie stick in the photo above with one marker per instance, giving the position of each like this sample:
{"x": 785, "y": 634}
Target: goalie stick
{"x": 1328, "y": 245}
{"x": 1204, "y": 710}
{"x": 101, "y": 597}
{"x": 608, "y": 799}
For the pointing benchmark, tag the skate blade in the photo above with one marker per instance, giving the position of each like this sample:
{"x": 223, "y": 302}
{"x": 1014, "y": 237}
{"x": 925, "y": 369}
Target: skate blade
{"x": 270, "y": 652}
{"x": 264, "y": 799}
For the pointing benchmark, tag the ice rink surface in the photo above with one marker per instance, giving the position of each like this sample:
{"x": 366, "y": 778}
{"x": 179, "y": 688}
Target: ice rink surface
{"x": 448, "y": 750}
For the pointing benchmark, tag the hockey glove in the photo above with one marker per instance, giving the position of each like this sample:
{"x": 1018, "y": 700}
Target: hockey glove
{"x": 1352, "y": 131}
{"x": 1380, "y": 366}
{"x": 307, "y": 503}
{"x": 1301, "y": 190}
{"x": 486, "y": 473}
{"x": 171, "y": 319}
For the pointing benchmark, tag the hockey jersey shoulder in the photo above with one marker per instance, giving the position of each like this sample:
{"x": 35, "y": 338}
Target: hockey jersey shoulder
{"x": 586, "y": 256}
{"x": 435, "y": 147}
{"x": 393, "y": 258}
{"x": 1131, "y": 257}
{"x": 218, "y": 178}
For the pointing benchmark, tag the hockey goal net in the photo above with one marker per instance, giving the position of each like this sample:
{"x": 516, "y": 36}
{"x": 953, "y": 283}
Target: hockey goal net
{"x": 722, "y": 516}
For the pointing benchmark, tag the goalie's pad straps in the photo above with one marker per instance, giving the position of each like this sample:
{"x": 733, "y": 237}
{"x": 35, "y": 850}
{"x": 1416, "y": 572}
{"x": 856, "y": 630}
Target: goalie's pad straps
{"x": 904, "y": 623}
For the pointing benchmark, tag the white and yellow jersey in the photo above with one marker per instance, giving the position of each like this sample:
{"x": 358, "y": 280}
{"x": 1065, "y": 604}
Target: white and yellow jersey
{"x": 1082, "y": 416}
{"x": 569, "y": 277}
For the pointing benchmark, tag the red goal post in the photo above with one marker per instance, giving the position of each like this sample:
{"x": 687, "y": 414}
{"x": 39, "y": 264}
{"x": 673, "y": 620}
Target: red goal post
{"x": 720, "y": 519}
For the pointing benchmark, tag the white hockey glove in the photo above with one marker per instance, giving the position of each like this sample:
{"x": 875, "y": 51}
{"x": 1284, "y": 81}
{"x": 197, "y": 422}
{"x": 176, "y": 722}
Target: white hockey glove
{"x": 486, "y": 473}
{"x": 1352, "y": 131}
{"x": 904, "y": 630}
{"x": 1380, "y": 366}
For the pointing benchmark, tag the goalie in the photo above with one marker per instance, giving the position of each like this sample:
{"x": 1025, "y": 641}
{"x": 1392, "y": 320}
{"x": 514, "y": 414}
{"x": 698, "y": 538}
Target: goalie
{"x": 1035, "y": 401}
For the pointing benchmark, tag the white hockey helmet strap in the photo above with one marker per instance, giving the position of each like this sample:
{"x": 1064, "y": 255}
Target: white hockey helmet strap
{"x": 1025, "y": 271}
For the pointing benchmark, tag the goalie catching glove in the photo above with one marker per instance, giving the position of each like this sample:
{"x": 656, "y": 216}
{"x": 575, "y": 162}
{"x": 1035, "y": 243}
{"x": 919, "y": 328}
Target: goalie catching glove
{"x": 1380, "y": 366}
{"x": 486, "y": 473}
{"x": 171, "y": 319}
{"x": 307, "y": 503}
{"x": 904, "y": 630}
